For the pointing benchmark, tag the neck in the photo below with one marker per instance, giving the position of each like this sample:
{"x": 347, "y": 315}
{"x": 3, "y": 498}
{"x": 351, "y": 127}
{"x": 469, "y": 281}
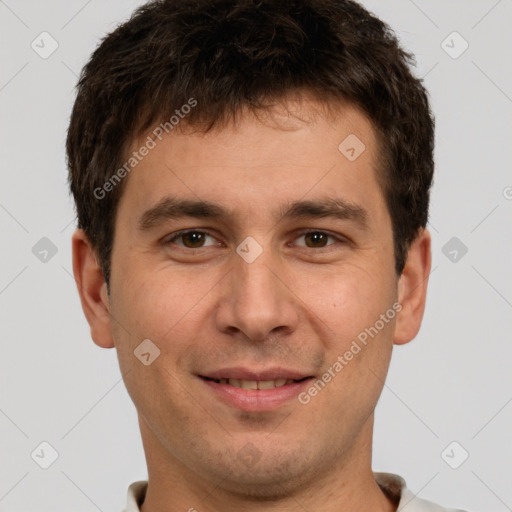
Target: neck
{"x": 347, "y": 485}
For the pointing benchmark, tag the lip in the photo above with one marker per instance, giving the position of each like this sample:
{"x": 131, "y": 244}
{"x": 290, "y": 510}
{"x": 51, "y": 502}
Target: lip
{"x": 246, "y": 374}
{"x": 255, "y": 400}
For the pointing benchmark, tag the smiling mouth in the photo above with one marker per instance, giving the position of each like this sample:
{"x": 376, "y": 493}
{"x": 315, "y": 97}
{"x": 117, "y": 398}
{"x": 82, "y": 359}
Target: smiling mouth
{"x": 256, "y": 384}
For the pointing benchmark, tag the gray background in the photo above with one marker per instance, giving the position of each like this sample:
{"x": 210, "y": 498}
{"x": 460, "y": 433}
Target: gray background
{"x": 453, "y": 383}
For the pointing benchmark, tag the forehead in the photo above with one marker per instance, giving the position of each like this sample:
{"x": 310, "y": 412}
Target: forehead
{"x": 300, "y": 112}
{"x": 296, "y": 148}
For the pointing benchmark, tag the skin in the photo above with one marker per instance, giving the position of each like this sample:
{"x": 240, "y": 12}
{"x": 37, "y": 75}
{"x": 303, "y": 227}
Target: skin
{"x": 299, "y": 305}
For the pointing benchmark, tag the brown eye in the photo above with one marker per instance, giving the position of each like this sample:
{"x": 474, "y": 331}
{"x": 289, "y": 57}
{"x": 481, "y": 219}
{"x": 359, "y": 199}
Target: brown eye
{"x": 316, "y": 239}
{"x": 191, "y": 239}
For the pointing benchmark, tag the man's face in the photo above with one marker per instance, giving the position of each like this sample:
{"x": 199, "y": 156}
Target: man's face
{"x": 218, "y": 312}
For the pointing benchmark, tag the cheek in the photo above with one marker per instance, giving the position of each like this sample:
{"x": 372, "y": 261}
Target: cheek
{"x": 346, "y": 300}
{"x": 153, "y": 308}
{"x": 163, "y": 305}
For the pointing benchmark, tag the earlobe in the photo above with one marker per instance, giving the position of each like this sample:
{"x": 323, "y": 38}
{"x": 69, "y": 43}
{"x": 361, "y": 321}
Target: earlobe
{"x": 412, "y": 289}
{"x": 92, "y": 289}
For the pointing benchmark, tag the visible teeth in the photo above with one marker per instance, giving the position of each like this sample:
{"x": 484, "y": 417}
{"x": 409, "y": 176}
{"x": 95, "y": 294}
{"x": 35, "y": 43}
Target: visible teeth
{"x": 253, "y": 384}
{"x": 266, "y": 384}
{"x": 248, "y": 384}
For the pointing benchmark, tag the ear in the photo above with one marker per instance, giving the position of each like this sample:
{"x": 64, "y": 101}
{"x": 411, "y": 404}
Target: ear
{"x": 92, "y": 289}
{"x": 412, "y": 289}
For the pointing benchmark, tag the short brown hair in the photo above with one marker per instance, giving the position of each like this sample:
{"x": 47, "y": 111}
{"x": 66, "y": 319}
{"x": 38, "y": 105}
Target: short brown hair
{"x": 233, "y": 54}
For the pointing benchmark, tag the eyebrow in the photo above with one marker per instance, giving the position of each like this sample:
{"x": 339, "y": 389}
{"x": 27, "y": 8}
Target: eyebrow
{"x": 170, "y": 208}
{"x": 328, "y": 207}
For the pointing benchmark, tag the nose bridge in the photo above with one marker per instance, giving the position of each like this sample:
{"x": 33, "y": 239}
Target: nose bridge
{"x": 256, "y": 301}
{"x": 255, "y": 281}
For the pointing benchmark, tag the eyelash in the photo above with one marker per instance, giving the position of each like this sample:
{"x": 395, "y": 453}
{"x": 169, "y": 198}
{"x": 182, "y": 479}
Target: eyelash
{"x": 178, "y": 234}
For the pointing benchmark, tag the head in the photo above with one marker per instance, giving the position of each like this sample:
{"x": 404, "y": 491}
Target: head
{"x": 299, "y": 125}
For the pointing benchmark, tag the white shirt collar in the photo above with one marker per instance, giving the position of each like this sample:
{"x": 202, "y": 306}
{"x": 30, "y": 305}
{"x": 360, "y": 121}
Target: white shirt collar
{"x": 392, "y": 485}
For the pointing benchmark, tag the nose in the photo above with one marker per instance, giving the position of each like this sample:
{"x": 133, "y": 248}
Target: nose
{"x": 257, "y": 299}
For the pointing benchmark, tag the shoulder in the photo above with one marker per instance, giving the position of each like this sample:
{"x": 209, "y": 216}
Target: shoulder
{"x": 395, "y": 487}
{"x": 135, "y": 496}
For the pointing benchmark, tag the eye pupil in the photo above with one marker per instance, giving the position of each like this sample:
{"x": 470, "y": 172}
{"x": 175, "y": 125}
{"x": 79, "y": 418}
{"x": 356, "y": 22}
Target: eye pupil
{"x": 193, "y": 239}
{"x": 316, "y": 238}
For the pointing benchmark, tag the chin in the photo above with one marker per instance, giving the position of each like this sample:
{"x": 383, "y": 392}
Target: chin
{"x": 272, "y": 477}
